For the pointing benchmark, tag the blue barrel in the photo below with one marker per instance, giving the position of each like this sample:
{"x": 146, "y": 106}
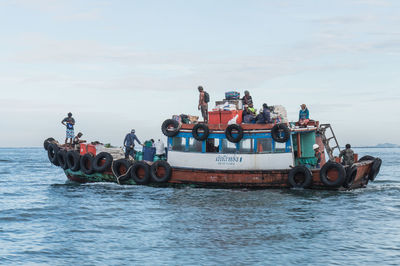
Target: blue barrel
{"x": 148, "y": 153}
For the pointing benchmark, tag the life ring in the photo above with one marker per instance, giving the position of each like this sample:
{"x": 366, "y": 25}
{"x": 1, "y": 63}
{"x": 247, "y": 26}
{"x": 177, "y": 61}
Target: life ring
{"x": 52, "y": 150}
{"x": 276, "y": 133}
{"x": 167, "y": 130}
{"x": 87, "y": 164}
{"x": 167, "y": 172}
{"x": 300, "y": 177}
{"x": 366, "y": 158}
{"x": 73, "y": 160}
{"x": 351, "y": 174}
{"x": 47, "y": 142}
{"x": 375, "y": 168}
{"x": 195, "y": 132}
{"x": 229, "y": 133}
{"x": 120, "y": 168}
{"x": 328, "y": 181}
{"x": 140, "y": 179}
{"x": 62, "y": 159}
{"x": 97, "y": 166}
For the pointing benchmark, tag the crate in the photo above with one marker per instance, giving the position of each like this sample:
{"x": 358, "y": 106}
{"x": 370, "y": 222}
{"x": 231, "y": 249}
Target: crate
{"x": 87, "y": 148}
{"x": 226, "y": 116}
{"x": 214, "y": 117}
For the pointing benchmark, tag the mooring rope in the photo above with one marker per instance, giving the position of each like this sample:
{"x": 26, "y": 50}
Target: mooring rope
{"x": 118, "y": 177}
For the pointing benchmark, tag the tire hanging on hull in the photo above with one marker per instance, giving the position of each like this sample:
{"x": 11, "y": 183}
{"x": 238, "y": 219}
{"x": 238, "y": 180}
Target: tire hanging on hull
{"x": 155, "y": 168}
{"x": 300, "y": 177}
{"x": 328, "y": 181}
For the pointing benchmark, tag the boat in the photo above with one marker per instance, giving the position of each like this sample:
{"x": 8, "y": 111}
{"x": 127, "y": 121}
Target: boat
{"x": 225, "y": 155}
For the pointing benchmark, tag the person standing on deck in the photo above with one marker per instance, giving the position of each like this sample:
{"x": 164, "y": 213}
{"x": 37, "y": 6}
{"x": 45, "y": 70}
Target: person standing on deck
{"x": 348, "y": 155}
{"x": 69, "y": 123}
{"x": 160, "y": 149}
{"x": 304, "y": 115}
{"x": 129, "y": 143}
{"x": 203, "y": 103}
{"x": 247, "y": 100}
{"x": 317, "y": 155}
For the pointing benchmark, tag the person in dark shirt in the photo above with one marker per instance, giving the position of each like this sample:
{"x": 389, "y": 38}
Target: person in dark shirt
{"x": 247, "y": 100}
{"x": 348, "y": 155}
{"x": 129, "y": 143}
{"x": 69, "y": 123}
{"x": 264, "y": 117}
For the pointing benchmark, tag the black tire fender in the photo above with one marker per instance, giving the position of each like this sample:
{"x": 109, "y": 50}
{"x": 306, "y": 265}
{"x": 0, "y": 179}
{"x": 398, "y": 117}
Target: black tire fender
{"x": 195, "y": 132}
{"x": 366, "y": 158}
{"x": 277, "y": 130}
{"x": 375, "y": 168}
{"x": 351, "y": 173}
{"x": 107, "y": 164}
{"x": 73, "y": 160}
{"x": 87, "y": 164}
{"x": 52, "y": 150}
{"x": 62, "y": 159}
{"x": 47, "y": 142}
{"x": 135, "y": 176}
{"x": 116, "y": 168}
{"x": 165, "y": 128}
{"x": 229, "y": 134}
{"x": 167, "y": 175}
{"x": 324, "y": 174}
{"x": 304, "y": 172}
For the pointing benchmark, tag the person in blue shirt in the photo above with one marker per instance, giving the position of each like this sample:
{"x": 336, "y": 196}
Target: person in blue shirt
{"x": 129, "y": 143}
{"x": 264, "y": 117}
{"x": 304, "y": 115}
{"x": 69, "y": 123}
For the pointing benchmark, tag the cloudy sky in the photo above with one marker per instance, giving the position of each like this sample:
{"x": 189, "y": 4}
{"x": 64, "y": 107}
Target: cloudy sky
{"x": 118, "y": 65}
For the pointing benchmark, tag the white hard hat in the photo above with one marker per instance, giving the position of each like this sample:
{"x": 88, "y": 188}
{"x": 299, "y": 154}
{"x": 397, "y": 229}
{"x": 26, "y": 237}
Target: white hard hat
{"x": 315, "y": 146}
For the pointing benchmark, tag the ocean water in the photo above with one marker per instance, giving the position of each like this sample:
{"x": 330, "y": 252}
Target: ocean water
{"x": 46, "y": 220}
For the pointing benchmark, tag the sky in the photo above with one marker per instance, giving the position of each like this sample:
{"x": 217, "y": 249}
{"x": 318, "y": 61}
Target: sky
{"x": 118, "y": 65}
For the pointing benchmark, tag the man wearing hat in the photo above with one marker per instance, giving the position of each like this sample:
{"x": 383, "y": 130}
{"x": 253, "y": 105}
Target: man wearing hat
{"x": 304, "y": 115}
{"x": 129, "y": 143}
{"x": 317, "y": 155}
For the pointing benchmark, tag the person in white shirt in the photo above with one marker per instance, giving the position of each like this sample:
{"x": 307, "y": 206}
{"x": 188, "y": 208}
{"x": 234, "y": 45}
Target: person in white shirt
{"x": 160, "y": 149}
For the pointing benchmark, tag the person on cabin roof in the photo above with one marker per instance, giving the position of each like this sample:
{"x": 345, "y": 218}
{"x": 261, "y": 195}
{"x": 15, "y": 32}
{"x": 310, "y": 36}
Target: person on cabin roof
{"x": 264, "y": 117}
{"x": 348, "y": 155}
{"x": 317, "y": 154}
{"x": 247, "y": 100}
{"x": 249, "y": 114}
{"x": 77, "y": 140}
{"x": 69, "y": 123}
{"x": 129, "y": 143}
{"x": 304, "y": 115}
{"x": 203, "y": 103}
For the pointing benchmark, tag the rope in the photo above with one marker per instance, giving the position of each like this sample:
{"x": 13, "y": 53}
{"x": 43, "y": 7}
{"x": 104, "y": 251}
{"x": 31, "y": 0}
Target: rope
{"x": 118, "y": 177}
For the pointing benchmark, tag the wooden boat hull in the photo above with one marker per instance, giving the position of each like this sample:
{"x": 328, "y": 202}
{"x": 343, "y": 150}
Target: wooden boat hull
{"x": 227, "y": 179}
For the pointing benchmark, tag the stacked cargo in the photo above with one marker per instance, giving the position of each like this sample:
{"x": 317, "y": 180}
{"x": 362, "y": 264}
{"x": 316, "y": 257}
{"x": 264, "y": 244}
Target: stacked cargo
{"x": 227, "y": 111}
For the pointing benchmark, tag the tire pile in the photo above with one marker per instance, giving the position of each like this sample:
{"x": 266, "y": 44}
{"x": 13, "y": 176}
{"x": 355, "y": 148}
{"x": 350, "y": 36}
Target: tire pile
{"x": 123, "y": 169}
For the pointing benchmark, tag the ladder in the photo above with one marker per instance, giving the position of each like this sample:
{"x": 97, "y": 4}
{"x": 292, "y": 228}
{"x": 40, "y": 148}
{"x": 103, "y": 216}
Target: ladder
{"x": 322, "y": 130}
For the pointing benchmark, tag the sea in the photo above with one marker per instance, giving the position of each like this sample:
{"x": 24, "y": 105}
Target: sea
{"x": 47, "y": 220}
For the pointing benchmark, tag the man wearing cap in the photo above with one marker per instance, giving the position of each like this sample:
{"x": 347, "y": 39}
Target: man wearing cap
{"x": 304, "y": 115}
{"x": 69, "y": 123}
{"x": 203, "y": 105}
{"x": 317, "y": 155}
{"x": 129, "y": 143}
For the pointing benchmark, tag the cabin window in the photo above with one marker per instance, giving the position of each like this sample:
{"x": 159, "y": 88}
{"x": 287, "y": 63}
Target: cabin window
{"x": 264, "y": 145}
{"x": 178, "y": 144}
{"x": 195, "y": 145}
{"x": 246, "y": 146}
{"x": 228, "y": 147}
{"x": 280, "y": 147}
